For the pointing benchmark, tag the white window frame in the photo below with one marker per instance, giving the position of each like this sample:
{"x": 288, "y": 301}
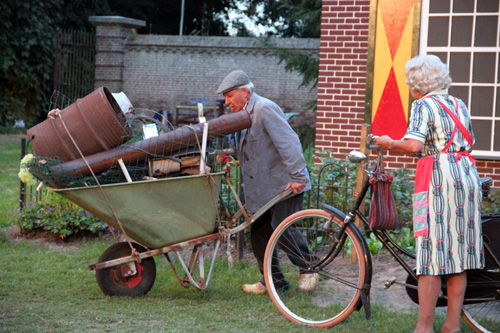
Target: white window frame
{"x": 425, "y": 49}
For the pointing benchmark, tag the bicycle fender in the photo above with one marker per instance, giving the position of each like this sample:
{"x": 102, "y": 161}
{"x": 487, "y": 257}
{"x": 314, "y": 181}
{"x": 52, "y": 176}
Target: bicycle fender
{"x": 334, "y": 211}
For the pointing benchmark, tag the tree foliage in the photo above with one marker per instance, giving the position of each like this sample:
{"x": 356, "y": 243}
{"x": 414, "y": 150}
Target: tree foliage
{"x": 291, "y": 18}
{"x": 299, "y": 61}
{"x": 201, "y": 17}
{"x": 299, "y": 18}
{"x": 26, "y": 56}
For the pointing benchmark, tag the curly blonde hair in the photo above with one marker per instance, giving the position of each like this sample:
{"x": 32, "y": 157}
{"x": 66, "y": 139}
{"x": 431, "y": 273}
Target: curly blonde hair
{"x": 426, "y": 73}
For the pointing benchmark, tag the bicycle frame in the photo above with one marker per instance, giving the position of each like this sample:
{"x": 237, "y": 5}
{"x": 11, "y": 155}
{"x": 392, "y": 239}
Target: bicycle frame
{"x": 389, "y": 243}
{"x": 339, "y": 256}
{"x": 486, "y": 280}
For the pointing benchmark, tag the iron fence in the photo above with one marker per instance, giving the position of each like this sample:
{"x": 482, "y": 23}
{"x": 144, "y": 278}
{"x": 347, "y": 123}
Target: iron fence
{"x": 74, "y": 63}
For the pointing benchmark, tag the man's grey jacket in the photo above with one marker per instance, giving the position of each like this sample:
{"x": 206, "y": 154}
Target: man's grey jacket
{"x": 270, "y": 154}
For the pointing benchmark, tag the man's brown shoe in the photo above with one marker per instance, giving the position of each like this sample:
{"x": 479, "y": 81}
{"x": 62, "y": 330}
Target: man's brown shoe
{"x": 308, "y": 282}
{"x": 256, "y": 288}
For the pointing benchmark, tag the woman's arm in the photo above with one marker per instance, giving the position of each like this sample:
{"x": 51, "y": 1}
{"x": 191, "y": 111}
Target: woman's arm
{"x": 406, "y": 146}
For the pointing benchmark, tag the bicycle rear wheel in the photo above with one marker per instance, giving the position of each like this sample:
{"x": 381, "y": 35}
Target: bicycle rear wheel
{"x": 341, "y": 268}
{"x": 482, "y": 317}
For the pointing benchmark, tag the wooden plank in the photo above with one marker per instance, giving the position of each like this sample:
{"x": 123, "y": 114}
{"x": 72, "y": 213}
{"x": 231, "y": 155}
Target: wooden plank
{"x": 365, "y": 130}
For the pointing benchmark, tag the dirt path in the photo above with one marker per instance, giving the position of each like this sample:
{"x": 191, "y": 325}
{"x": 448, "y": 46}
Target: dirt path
{"x": 394, "y": 298}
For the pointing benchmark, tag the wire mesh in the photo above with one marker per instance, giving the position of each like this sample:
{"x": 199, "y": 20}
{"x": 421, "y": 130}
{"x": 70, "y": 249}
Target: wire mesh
{"x": 58, "y": 100}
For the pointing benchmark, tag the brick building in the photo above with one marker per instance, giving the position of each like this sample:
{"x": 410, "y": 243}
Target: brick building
{"x": 464, "y": 34}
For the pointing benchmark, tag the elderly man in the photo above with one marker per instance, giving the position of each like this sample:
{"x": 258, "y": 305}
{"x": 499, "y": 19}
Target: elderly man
{"x": 271, "y": 161}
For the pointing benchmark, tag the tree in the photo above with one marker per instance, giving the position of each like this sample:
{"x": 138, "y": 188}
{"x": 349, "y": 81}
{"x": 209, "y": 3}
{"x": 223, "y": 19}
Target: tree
{"x": 201, "y": 17}
{"x": 27, "y": 44}
{"x": 298, "y": 18}
{"x": 26, "y": 57}
{"x": 291, "y": 18}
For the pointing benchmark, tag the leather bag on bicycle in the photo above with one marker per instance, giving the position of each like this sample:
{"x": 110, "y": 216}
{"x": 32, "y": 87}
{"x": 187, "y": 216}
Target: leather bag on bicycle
{"x": 383, "y": 210}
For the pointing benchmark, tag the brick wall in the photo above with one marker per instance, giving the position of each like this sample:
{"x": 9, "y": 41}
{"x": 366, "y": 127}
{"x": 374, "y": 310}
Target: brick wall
{"x": 166, "y": 70}
{"x": 161, "y": 72}
{"x": 342, "y": 82}
{"x": 342, "y": 75}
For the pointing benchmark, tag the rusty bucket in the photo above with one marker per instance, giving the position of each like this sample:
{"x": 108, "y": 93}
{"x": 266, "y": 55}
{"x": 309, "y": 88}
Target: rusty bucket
{"x": 95, "y": 122}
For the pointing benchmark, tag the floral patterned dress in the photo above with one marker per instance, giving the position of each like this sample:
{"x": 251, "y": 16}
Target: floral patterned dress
{"x": 453, "y": 242}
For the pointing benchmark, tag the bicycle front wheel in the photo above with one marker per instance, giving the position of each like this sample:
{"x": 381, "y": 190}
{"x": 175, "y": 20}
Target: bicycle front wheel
{"x": 302, "y": 244}
{"x": 482, "y": 317}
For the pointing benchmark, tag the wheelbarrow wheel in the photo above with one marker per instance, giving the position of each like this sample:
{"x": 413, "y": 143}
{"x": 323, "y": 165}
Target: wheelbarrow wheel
{"x": 113, "y": 281}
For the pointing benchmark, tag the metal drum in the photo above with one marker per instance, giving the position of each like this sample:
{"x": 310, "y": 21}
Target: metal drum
{"x": 95, "y": 121}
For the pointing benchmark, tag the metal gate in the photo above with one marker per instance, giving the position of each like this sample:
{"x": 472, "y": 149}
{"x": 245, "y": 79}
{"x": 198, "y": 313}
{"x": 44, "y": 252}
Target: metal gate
{"x": 74, "y": 63}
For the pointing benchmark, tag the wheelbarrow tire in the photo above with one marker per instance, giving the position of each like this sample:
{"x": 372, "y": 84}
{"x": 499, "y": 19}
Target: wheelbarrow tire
{"x": 112, "y": 281}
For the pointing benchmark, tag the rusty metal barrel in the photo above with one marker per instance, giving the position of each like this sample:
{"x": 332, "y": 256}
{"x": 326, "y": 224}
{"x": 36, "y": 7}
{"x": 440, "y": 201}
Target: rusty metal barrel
{"x": 95, "y": 121}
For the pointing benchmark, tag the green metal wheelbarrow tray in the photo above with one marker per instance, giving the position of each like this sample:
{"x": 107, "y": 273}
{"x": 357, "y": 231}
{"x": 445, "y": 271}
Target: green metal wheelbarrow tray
{"x": 161, "y": 216}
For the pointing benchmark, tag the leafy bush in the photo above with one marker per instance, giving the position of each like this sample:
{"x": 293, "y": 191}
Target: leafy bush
{"x": 403, "y": 236}
{"x": 334, "y": 181}
{"x": 57, "y": 215}
{"x": 402, "y": 189}
{"x": 26, "y": 58}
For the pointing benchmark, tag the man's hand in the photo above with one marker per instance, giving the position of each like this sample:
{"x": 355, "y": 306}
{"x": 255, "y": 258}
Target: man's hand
{"x": 296, "y": 187}
{"x": 54, "y": 113}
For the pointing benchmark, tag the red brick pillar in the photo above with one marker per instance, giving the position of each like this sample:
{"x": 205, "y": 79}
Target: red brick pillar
{"x": 342, "y": 75}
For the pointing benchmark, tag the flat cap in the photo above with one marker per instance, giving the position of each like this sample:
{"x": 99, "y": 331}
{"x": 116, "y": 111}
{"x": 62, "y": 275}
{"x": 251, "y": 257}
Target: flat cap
{"x": 233, "y": 80}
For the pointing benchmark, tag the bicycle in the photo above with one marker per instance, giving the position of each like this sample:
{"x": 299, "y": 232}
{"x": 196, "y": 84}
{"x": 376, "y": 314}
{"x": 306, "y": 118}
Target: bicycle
{"x": 341, "y": 257}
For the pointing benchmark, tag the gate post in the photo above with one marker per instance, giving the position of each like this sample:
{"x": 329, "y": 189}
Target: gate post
{"x": 112, "y": 34}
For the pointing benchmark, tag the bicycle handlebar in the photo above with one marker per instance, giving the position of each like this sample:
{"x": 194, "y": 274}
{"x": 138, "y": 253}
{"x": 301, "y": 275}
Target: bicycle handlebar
{"x": 369, "y": 140}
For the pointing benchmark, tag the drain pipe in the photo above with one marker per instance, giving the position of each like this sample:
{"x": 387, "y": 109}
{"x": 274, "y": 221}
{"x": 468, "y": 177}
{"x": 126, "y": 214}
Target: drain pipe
{"x": 182, "y": 18}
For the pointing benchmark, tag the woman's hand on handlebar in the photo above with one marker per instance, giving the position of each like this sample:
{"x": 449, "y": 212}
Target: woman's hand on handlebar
{"x": 384, "y": 142}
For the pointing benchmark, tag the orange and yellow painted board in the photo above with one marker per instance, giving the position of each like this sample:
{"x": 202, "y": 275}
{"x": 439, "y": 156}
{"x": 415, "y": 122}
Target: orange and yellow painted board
{"x": 394, "y": 45}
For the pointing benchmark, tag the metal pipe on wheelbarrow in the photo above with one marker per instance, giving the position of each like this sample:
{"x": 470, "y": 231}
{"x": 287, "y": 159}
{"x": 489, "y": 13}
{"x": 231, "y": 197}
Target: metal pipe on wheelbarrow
{"x": 170, "y": 141}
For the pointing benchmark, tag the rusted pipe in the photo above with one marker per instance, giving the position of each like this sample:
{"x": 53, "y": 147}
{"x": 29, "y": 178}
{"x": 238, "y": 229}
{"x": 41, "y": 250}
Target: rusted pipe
{"x": 167, "y": 142}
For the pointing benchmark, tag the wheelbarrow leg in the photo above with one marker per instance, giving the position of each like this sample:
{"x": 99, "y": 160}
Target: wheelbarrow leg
{"x": 197, "y": 256}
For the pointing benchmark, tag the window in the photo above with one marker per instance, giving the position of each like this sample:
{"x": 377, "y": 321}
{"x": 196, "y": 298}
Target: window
{"x": 465, "y": 35}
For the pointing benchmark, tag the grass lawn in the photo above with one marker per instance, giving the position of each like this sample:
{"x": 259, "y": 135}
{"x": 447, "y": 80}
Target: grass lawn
{"x": 48, "y": 288}
{"x": 10, "y": 153}
{"x": 51, "y": 290}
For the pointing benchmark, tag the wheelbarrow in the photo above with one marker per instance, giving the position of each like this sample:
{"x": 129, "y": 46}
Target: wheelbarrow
{"x": 164, "y": 216}
{"x": 156, "y": 215}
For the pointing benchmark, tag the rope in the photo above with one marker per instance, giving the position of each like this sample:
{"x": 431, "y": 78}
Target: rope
{"x": 58, "y": 113}
{"x": 208, "y": 174}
